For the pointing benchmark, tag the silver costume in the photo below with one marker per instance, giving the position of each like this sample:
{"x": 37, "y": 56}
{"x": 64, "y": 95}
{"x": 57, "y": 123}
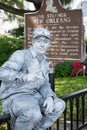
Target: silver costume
{"x": 24, "y": 98}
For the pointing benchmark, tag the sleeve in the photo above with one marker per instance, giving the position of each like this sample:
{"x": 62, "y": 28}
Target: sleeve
{"x": 46, "y": 91}
{"x": 10, "y": 69}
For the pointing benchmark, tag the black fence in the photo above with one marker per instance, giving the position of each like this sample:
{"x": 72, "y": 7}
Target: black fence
{"x": 75, "y": 114}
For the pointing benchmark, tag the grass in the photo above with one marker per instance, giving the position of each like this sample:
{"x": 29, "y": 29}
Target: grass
{"x": 67, "y": 85}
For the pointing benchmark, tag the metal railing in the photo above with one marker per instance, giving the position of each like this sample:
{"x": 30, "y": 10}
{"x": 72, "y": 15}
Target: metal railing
{"x": 75, "y": 114}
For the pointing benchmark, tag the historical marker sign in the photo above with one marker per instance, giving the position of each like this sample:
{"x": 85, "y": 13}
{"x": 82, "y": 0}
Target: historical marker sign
{"x": 66, "y": 29}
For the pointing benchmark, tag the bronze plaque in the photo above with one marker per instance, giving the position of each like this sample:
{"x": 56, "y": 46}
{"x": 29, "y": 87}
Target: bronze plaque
{"x": 66, "y": 29}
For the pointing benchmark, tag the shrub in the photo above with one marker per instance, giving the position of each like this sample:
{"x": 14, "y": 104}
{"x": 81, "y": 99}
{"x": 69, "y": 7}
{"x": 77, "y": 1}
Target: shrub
{"x": 7, "y": 46}
{"x": 63, "y": 69}
{"x": 18, "y": 32}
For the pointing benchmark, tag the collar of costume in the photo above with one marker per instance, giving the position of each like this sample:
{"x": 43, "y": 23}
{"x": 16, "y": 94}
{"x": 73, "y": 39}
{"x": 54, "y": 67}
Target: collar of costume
{"x": 33, "y": 52}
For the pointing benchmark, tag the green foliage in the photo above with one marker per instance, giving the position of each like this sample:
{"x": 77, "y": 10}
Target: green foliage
{"x": 7, "y": 46}
{"x": 13, "y": 3}
{"x": 63, "y": 69}
{"x": 3, "y": 126}
{"x": 85, "y": 39}
{"x": 18, "y": 32}
{"x": 67, "y": 85}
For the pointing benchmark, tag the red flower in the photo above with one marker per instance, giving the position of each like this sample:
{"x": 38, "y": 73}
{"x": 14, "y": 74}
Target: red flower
{"x": 77, "y": 68}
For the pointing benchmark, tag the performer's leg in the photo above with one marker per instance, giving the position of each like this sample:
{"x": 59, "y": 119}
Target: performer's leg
{"x": 49, "y": 119}
{"x": 26, "y": 112}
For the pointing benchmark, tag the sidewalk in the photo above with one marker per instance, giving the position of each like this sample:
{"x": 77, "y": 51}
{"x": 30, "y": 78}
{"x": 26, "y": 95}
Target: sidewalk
{"x": 67, "y": 126}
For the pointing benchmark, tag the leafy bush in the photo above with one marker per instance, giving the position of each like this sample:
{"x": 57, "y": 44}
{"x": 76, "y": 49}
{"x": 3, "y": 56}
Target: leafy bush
{"x": 63, "y": 69}
{"x": 18, "y": 32}
{"x": 7, "y": 46}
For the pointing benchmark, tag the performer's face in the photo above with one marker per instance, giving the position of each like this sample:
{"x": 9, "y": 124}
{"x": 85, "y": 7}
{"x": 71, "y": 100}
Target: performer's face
{"x": 41, "y": 45}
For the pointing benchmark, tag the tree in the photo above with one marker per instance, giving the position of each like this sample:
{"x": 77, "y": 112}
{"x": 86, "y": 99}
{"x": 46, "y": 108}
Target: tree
{"x": 16, "y": 7}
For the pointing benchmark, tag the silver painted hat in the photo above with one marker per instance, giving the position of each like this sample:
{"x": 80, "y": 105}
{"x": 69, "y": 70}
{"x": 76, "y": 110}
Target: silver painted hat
{"x": 41, "y": 32}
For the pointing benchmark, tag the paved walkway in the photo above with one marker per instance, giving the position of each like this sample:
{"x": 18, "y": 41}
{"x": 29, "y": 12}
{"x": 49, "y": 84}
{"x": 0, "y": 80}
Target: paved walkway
{"x": 67, "y": 126}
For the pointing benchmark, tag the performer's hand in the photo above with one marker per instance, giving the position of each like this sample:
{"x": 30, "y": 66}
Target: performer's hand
{"x": 48, "y": 103}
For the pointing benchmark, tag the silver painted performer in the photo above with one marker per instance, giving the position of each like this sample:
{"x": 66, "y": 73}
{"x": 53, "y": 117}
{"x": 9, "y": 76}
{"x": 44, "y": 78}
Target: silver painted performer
{"x": 25, "y": 90}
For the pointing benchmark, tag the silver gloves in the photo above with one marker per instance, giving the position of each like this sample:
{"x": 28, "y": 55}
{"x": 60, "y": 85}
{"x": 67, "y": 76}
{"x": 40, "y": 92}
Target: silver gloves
{"x": 49, "y": 104}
